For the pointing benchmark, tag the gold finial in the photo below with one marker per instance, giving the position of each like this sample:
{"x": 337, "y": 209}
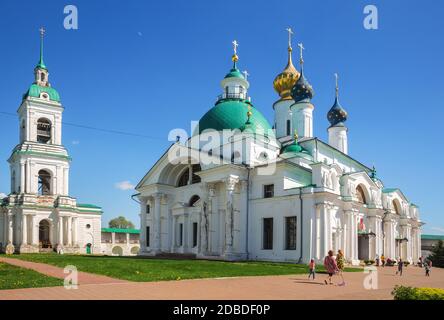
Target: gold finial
{"x": 296, "y": 135}
{"x": 235, "y": 58}
{"x": 249, "y": 112}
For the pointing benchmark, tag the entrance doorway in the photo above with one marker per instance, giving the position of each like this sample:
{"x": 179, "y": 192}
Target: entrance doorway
{"x": 88, "y": 248}
{"x": 44, "y": 236}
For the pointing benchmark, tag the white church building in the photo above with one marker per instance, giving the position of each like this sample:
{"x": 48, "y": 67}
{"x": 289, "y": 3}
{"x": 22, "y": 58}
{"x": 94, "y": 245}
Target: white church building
{"x": 240, "y": 189}
{"x": 39, "y": 215}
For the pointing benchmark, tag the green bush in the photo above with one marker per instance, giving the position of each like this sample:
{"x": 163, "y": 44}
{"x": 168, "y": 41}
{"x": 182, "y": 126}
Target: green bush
{"x": 369, "y": 262}
{"x": 409, "y": 293}
{"x": 406, "y": 263}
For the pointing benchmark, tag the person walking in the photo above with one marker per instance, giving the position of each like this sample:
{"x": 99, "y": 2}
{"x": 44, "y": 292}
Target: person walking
{"x": 377, "y": 260}
{"x": 312, "y": 267}
{"x": 400, "y": 266}
{"x": 383, "y": 260}
{"x": 340, "y": 263}
{"x": 427, "y": 269}
{"x": 331, "y": 266}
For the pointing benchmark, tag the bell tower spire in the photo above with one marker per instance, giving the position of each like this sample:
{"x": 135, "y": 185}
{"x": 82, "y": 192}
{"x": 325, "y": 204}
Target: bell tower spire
{"x": 40, "y": 71}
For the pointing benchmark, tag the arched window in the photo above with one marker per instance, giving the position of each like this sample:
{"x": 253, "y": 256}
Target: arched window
{"x": 44, "y": 183}
{"x": 183, "y": 180}
{"x": 288, "y": 127}
{"x": 42, "y": 77}
{"x": 184, "y": 177}
{"x": 195, "y": 178}
{"x": 397, "y": 207}
{"x": 193, "y": 200}
{"x": 22, "y": 130}
{"x": 361, "y": 194}
{"x": 43, "y": 130}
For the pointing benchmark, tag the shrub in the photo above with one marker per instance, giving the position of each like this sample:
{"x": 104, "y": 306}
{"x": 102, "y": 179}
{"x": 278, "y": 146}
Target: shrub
{"x": 437, "y": 255}
{"x": 410, "y": 293}
{"x": 369, "y": 262}
{"x": 406, "y": 263}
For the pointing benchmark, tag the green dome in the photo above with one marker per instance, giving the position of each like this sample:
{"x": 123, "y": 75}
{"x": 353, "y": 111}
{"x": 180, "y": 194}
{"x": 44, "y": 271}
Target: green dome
{"x": 295, "y": 150}
{"x": 235, "y": 73}
{"x": 232, "y": 114}
{"x": 35, "y": 91}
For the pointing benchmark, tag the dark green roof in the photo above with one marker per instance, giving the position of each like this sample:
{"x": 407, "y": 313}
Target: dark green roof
{"x": 389, "y": 190}
{"x": 87, "y": 205}
{"x": 432, "y": 237}
{"x": 118, "y": 230}
{"x": 35, "y": 91}
{"x": 232, "y": 114}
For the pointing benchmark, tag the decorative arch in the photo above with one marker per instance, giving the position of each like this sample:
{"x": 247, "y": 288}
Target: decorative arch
{"x": 184, "y": 176}
{"x": 362, "y": 194}
{"x": 193, "y": 200}
{"x": 45, "y": 233}
{"x": 44, "y": 130}
{"x": 397, "y": 206}
{"x": 135, "y": 250}
{"x": 44, "y": 183}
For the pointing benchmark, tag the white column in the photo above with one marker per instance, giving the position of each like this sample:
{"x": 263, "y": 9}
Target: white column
{"x": 28, "y": 177}
{"x": 10, "y": 228}
{"x": 173, "y": 234}
{"x": 323, "y": 216}
{"x": 185, "y": 229}
{"x": 156, "y": 223}
{"x": 113, "y": 238}
{"x": 69, "y": 222}
{"x": 74, "y": 231}
{"x": 243, "y": 232}
{"x": 143, "y": 235}
{"x": 128, "y": 239}
{"x": 34, "y": 231}
{"x": 22, "y": 177}
{"x": 24, "y": 229}
{"x": 229, "y": 215}
{"x": 355, "y": 236}
{"x": 60, "y": 227}
{"x": 5, "y": 229}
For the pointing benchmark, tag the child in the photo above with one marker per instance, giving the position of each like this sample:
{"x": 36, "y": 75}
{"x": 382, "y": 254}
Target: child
{"x": 400, "y": 265}
{"x": 340, "y": 264}
{"x": 312, "y": 267}
{"x": 427, "y": 269}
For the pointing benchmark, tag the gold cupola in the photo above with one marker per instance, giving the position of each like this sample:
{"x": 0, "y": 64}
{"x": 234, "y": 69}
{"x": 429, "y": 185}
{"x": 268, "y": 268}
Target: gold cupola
{"x": 285, "y": 81}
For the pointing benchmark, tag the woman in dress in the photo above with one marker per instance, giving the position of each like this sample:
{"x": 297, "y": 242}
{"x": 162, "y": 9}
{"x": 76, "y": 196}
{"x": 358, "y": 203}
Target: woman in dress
{"x": 340, "y": 264}
{"x": 331, "y": 266}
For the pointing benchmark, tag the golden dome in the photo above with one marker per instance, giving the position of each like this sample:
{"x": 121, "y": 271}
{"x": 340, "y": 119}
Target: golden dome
{"x": 285, "y": 81}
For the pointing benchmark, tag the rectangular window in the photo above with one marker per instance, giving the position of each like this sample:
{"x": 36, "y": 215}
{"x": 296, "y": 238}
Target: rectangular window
{"x": 268, "y": 190}
{"x": 268, "y": 234}
{"x": 147, "y": 236}
{"x": 290, "y": 233}
{"x": 180, "y": 234}
{"x": 194, "y": 234}
{"x": 288, "y": 127}
{"x": 148, "y": 208}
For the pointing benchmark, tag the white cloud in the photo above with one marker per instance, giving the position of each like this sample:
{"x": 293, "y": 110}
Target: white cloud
{"x": 438, "y": 229}
{"x": 124, "y": 185}
{"x": 75, "y": 142}
{"x": 2, "y": 195}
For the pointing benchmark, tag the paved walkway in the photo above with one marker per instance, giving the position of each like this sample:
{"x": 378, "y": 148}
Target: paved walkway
{"x": 249, "y": 288}
{"x": 56, "y": 272}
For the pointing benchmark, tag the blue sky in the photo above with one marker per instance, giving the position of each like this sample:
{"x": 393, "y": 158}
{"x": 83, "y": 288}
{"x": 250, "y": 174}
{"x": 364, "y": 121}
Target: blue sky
{"x": 148, "y": 67}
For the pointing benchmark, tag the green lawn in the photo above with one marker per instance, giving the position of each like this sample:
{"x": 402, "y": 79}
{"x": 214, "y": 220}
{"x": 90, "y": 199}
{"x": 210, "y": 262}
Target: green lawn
{"x": 145, "y": 269}
{"x": 12, "y": 277}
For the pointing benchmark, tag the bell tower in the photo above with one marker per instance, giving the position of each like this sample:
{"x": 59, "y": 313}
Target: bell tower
{"x": 39, "y": 164}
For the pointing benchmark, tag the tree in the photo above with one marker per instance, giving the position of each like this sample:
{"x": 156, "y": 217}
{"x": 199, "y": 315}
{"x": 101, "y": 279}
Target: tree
{"x": 120, "y": 223}
{"x": 437, "y": 255}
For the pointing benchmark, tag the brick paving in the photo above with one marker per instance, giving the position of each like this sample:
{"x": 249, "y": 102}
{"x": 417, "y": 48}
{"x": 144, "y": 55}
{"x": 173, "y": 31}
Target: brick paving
{"x": 249, "y": 288}
{"x": 56, "y": 272}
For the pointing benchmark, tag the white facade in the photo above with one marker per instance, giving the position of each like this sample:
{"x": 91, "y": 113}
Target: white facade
{"x": 309, "y": 197}
{"x": 38, "y": 214}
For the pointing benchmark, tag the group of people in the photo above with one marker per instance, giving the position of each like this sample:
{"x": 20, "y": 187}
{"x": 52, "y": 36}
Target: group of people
{"x": 333, "y": 265}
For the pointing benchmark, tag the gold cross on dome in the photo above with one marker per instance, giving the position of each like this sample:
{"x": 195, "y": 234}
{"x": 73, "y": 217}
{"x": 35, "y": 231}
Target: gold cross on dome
{"x": 337, "y": 86}
{"x": 290, "y": 33}
{"x": 235, "y": 45}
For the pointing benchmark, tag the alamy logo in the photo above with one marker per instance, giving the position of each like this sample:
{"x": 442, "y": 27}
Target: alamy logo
{"x": 371, "y": 20}
{"x": 71, "y": 280}
{"x": 71, "y": 21}
{"x": 371, "y": 280}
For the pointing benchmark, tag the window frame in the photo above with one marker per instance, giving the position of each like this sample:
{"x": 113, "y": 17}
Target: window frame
{"x": 267, "y": 233}
{"x": 267, "y": 193}
{"x": 288, "y": 244}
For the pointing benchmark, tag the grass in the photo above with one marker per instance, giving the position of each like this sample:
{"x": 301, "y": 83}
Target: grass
{"x": 148, "y": 269}
{"x": 12, "y": 277}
